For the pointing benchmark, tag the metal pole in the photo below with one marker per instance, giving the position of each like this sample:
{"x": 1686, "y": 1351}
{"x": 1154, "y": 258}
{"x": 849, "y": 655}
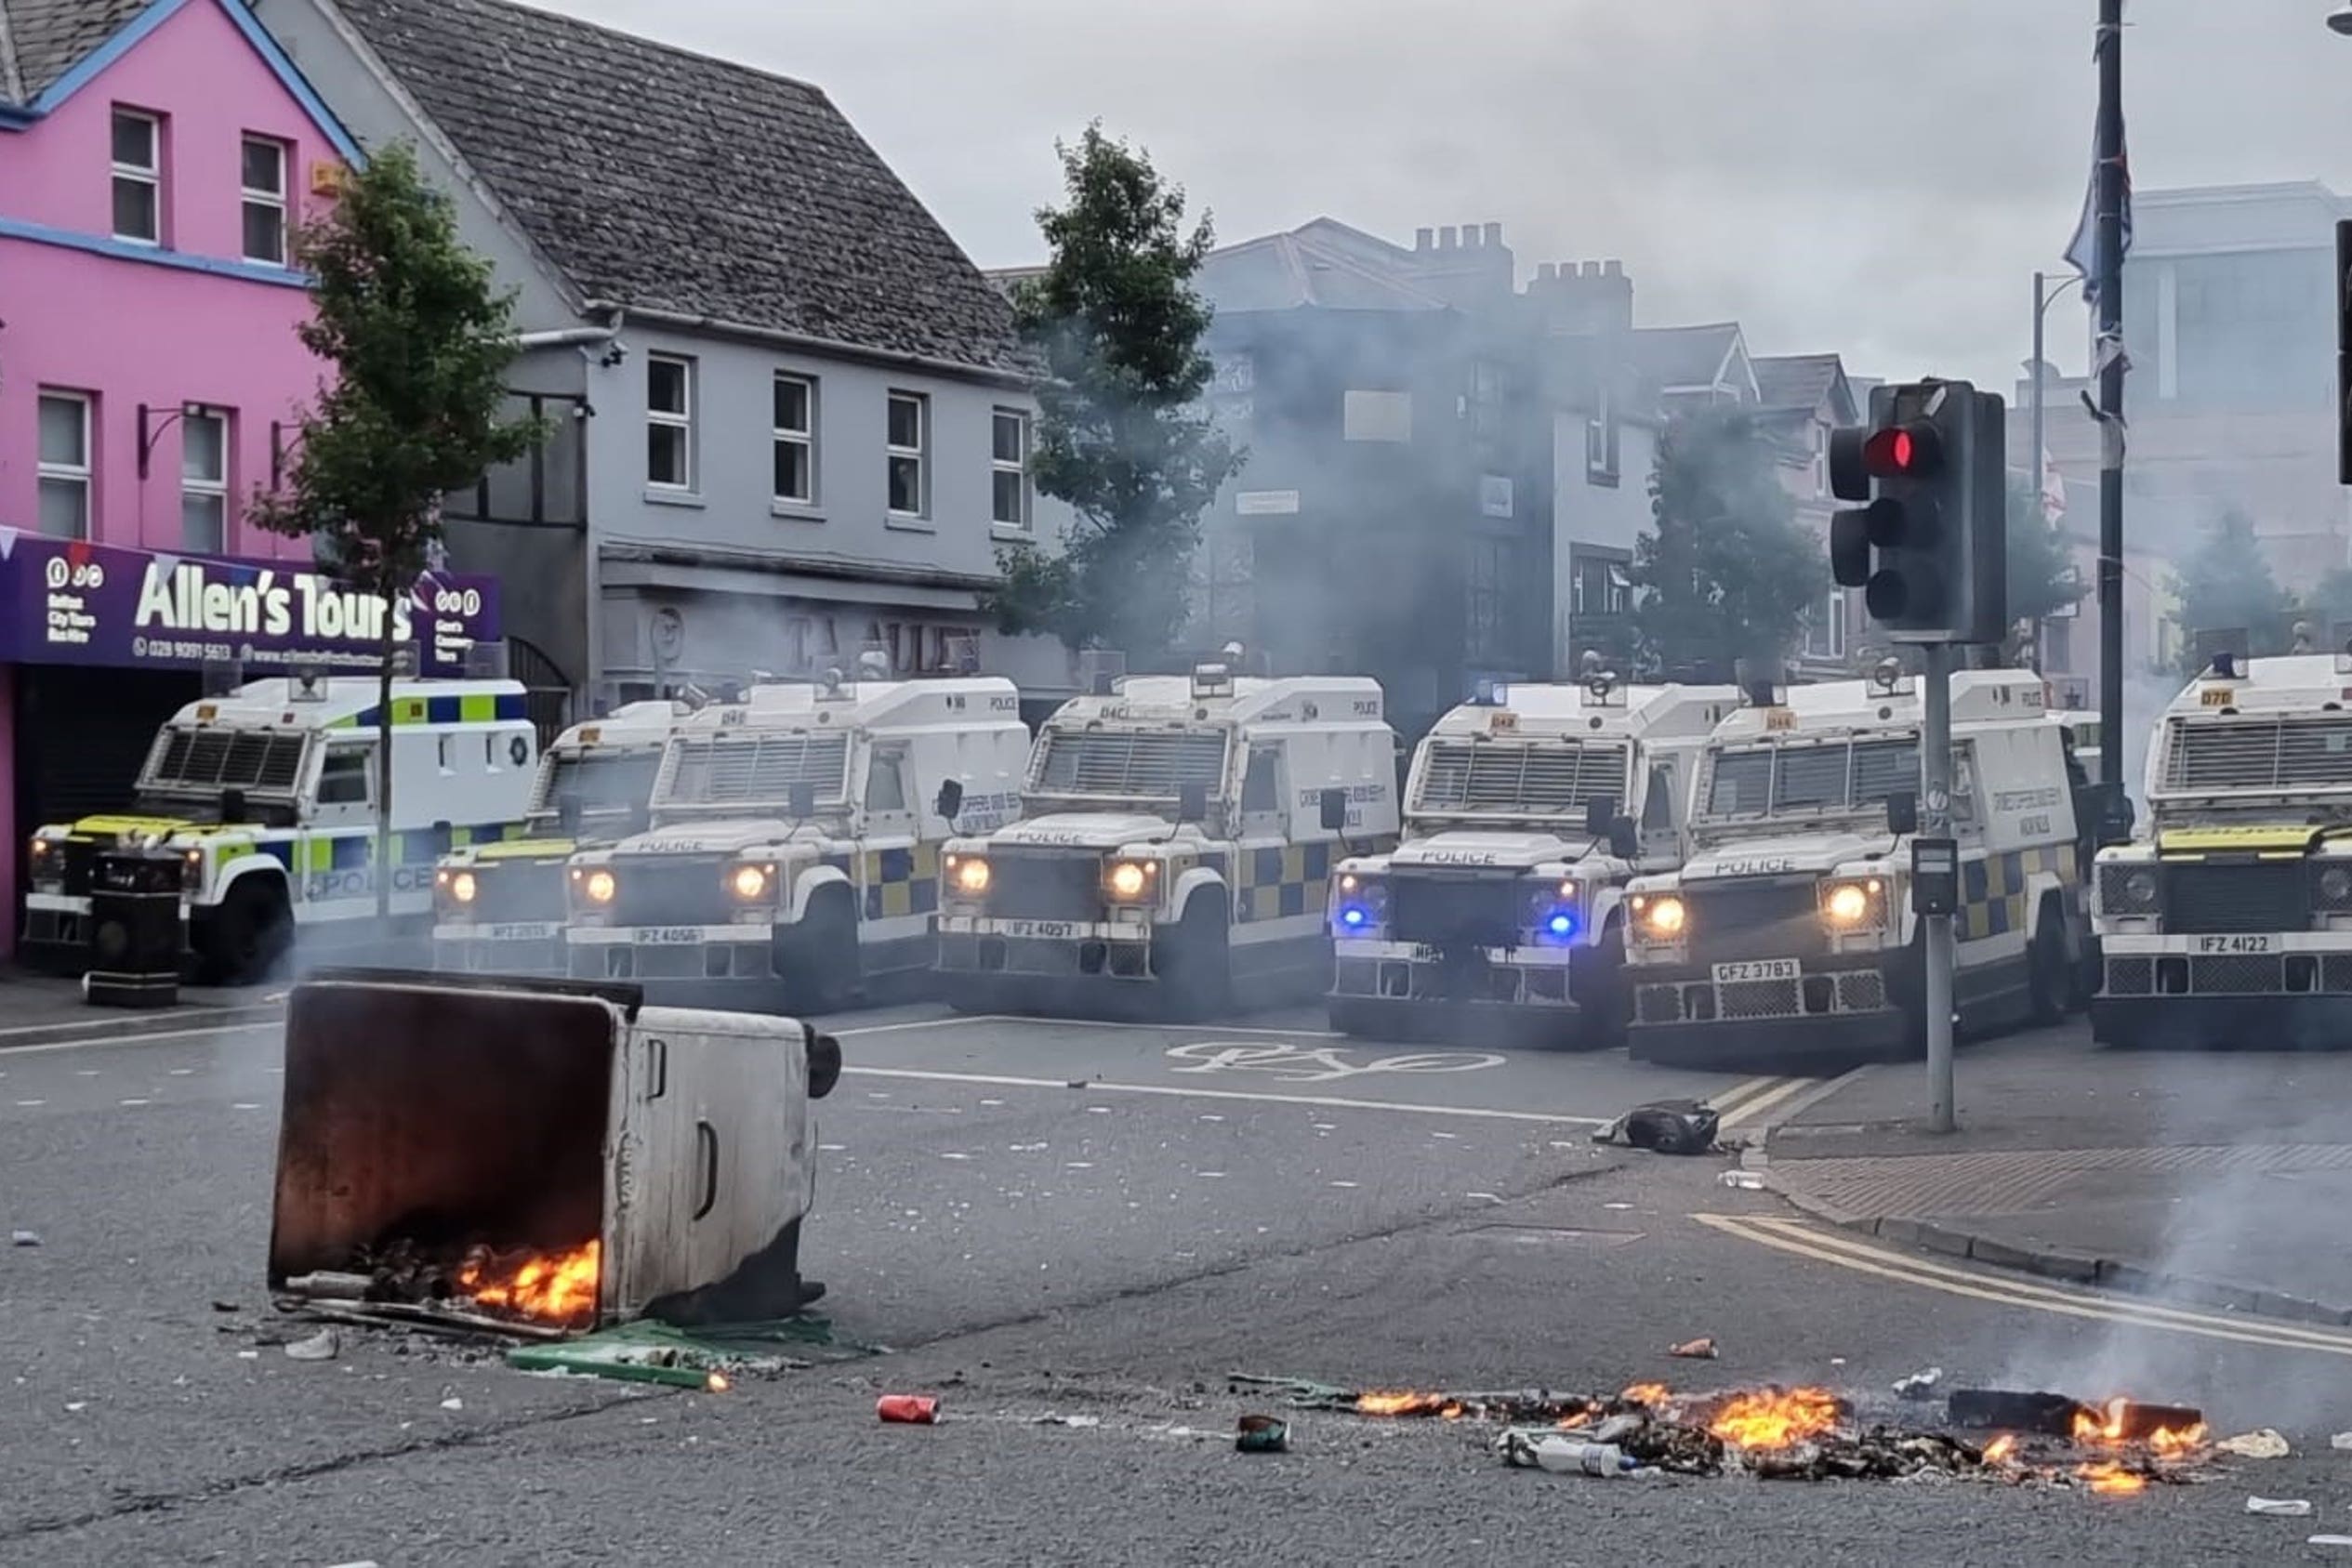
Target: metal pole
{"x": 1935, "y": 821}
{"x": 2033, "y": 455}
{"x": 2109, "y": 261}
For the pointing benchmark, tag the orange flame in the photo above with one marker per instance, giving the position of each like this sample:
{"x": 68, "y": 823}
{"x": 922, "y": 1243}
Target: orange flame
{"x": 558, "y": 1287}
{"x": 2163, "y": 1439}
{"x": 1407, "y": 1404}
{"x": 2111, "y": 1479}
{"x": 715, "y": 1382}
{"x": 1646, "y": 1394}
{"x": 1996, "y": 1452}
{"x": 1774, "y": 1418}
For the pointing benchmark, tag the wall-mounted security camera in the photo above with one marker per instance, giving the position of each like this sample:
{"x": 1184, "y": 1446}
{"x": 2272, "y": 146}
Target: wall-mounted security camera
{"x": 615, "y": 353}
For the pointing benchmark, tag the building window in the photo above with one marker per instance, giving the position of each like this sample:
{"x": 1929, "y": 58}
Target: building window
{"x": 204, "y": 483}
{"x": 1600, "y": 444}
{"x": 1486, "y": 590}
{"x": 264, "y": 163}
{"x": 1825, "y": 630}
{"x": 139, "y": 177}
{"x": 669, "y": 422}
{"x": 796, "y": 439}
{"x": 1618, "y": 597}
{"x": 64, "y": 466}
{"x": 1576, "y": 588}
{"x": 1009, "y": 470}
{"x": 909, "y": 435}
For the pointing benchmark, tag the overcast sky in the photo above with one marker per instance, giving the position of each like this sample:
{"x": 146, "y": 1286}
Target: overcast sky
{"x": 1880, "y": 177}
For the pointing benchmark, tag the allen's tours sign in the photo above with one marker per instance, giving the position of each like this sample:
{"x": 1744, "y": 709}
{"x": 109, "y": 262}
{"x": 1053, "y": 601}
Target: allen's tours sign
{"x": 68, "y": 602}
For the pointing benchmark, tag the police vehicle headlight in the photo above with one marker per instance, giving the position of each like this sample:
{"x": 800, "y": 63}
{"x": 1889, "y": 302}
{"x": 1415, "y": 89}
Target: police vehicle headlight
{"x": 1126, "y": 881}
{"x": 1660, "y": 916}
{"x": 1552, "y": 910}
{"x": 2128, "y": 889}
{"x": 968, "y": 876}
{"x": 462, "y": 887}
{"x": 1362, "y": 904}
{"x": 748, "y": 882}
{"x": 1852, "y": 906}
{"x": 48, "y": 870}
{"x": 191, "y": 868}
{"x": 598, "y": 886}
{"x": 2335, "y": 887}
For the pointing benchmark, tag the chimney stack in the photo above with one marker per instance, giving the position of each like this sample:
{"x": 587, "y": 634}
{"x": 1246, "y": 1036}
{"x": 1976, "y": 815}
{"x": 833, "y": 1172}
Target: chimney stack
{"x": 1494, "y": 235}
{"x": 1547, "y": 271}
{"x": 1421, "y": 239}
{"x": 1579, "y": 298}
{"x": 1446, "y": 237}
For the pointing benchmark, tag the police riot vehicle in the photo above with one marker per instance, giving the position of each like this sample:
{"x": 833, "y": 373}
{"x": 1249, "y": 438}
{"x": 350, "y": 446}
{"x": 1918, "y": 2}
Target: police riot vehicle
{"x": 794, "y": 850}
{"x": 1790, "y": 932}
{"x": 1177, "y": 848}
{"x": 1504, "y": 903}
{"x": 2230, "y": 922}
{"x": 499, "y": 907}
{"x": 268, "y": 795}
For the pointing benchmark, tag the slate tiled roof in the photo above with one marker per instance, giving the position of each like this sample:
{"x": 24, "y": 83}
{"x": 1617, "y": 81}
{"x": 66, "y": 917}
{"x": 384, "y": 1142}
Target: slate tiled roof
{"x": 1795, "y": 380}
{"x": 672, "y": 181}
{"x": 41, "y": 40}
{"x": 1290, "y": 271}
{"x": 1682, "y": 356}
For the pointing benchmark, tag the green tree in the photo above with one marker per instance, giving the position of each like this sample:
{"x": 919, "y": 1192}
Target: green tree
{"x": 417, "y": 342}
{"x": 2226, "y": 585}
{"x": 2328, "y": 606}
{"x": 1725, "y": 574}
{"x": 2042, "y": 576}
{"x": 1121, "y": 436}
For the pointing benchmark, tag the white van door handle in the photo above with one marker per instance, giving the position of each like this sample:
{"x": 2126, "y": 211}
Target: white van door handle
{"x": 708, "y": 1136}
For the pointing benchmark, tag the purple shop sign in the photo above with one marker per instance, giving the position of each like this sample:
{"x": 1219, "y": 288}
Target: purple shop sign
{"x": 69, "y": 602}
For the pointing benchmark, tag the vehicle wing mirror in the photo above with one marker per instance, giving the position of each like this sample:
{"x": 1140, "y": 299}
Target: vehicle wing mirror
{"x": 1599, "y": 816}
{"x": 1625, "y": 839}
{"x": 1334, "y": 805}
{"x": 233, "y": 805}
{"x": 567, "y": 815}
{"x": 1902, "y": 812}
{"x": 801, "y": 798}
{"x": 1192, "y": 802}
{"x": 951, "y": 799}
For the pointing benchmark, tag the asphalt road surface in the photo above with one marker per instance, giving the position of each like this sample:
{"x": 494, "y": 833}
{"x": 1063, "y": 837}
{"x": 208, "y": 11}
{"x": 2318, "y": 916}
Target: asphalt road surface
{"x": 1041, "y": 1218}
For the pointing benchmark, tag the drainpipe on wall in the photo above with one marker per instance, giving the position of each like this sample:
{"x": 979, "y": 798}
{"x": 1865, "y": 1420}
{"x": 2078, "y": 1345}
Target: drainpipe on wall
{"x": 563, "y": 336}
{"x": 591, "y": 679}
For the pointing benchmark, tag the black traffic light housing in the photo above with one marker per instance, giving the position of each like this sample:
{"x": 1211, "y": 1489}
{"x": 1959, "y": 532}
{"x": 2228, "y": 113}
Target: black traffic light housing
{"x": 1929, "y": 547}
{"x": 2344, "y": 351}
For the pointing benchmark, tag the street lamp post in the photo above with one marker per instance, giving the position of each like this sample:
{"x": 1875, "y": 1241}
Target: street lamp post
{"x": 2044, "y": 298}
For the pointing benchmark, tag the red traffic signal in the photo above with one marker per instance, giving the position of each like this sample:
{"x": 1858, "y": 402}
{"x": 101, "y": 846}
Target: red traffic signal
{"x": 1903, "y": 450}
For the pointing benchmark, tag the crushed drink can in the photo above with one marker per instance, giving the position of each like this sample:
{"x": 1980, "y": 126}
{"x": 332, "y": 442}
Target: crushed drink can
{"x": 918, "y": 1410}
{"x": 1262, "y": 1434}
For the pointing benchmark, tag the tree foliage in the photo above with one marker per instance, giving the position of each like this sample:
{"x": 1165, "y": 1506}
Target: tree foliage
{"x": 1726, "y": 573}
{"x": 1121, "y": 436}
{"x": 2224, "y": 584}
{"x": 417, "y": 343}
{"x": 2042, "y": 578}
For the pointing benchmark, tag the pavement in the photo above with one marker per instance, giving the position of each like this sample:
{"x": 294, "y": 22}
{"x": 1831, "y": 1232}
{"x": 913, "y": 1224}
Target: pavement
{"x": 2219, "y": 1179}
{"x": 38, "y": 1008}
{"x": 1061, "y": 1219}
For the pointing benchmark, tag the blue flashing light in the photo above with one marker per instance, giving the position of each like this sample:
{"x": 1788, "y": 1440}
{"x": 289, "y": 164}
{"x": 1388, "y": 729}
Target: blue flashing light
{"x": 1353, "y": 917}
{"x": 1562, "y": 924}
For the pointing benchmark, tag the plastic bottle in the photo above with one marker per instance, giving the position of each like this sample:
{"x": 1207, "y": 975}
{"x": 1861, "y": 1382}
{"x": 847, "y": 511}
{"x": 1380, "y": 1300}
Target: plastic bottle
{"x": 1563, "y": 1456}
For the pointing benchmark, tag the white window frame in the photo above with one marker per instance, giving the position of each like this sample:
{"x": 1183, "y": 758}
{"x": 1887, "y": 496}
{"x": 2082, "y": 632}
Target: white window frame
{"x": 83, "y": 474}
{"x": 251, "y": 197}
{"x": 682, "y": 420}
{"x": 150, "y": 175}
{"x": 1019, "y": 466}
{"x": 805, "y": 439}
{"x": 213, "y": 489}
{"x": 919, "y": 452}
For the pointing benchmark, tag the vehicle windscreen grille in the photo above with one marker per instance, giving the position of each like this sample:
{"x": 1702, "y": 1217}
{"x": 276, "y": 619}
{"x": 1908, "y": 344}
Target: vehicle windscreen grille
{"x": 2222, "y": 755}
{"x": 1483, "y": 913}
{"x": 755, "y": 770}
{"x": 666, "y": 892}
{"x": 210, "y": 759}
{"x": 1130, "y": 765}
{"x": 1045, "y": 888}
{"x": 600, "y": 780}
{"x": 2236, "y": 896}
{"x": 516, "y": 891}
{"x": 1752, "y": 919}
{"x": 1556, "y": 779}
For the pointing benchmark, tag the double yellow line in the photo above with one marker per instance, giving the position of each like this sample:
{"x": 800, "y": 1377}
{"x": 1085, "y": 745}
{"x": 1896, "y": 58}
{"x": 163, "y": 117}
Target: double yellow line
{"x": 1745, "y": 1102}
{"x": 1844, "y": 1250}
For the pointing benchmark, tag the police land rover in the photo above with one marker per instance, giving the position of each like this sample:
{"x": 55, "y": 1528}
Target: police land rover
{"x": 1790, "y": 934}
{"x": 268, "y": 793}
{"x": 794, "y": 850}
{"x": 1504, "y": 903}
{"x": 1179, "y": 846}
{"x": 499, "y": 907}
{"x": 2231, "y": 922}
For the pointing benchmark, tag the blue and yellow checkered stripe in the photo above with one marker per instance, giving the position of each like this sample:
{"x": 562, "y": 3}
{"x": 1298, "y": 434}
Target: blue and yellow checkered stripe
{"x": 481, "y": 707}
{"x": 311, "y": 854}
{"x": 893, "y": 883}
{"x": 1993, "y": 888}
{"x": 1279, "y": 881}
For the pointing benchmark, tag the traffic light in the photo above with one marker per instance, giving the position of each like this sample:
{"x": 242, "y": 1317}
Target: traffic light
{"x": 1929, "y": 547}
{"x": 2344, "y": 351}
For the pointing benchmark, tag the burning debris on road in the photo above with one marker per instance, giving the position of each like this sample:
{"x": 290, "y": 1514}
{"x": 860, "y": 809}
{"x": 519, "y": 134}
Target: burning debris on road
{"x": 1805, "y": 1433}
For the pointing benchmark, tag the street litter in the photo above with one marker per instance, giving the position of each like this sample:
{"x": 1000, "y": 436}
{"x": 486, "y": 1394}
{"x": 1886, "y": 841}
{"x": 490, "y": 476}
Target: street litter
{"x": 1744, "y": 1181}
{"x": 908, "y": 1410}
{"x": 322, "y": 1346}
{"x": 2341, "y": 1442}
{"x": 1563, "y": 1455}
{"x": 24, "y": 1238}
{"x": 1262, "y": 1434}
{"x": 1694, "y": 1350}
{"x": 453, "y": 1403}
{"x": 2285, "y": 1507}
{"x": 1665, "y": 1126}
{"x": 2263, "y": 1444}
{"x": 2329, "y": 1541}
{"x": 648, "y": 1352}
{"x": 1919, "y": 1386}
{"x": 1069, "y": 1421}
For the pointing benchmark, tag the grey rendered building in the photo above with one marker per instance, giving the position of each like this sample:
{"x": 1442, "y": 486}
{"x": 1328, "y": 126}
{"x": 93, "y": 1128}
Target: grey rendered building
{"x": 792, "y": 421}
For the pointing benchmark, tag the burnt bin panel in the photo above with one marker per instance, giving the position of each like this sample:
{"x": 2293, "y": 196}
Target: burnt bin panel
{"x": 441, "y": 1116}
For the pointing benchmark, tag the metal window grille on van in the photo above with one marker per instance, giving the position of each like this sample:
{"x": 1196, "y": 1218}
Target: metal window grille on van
{"x": 755, "y": 769}
{"x": 1548, "y": 780}
{"x": 226, "y": 760}
{"x": 2239, "y": 753}
{"x": 604, "y": 781}
{"x": 1130, "y": 765}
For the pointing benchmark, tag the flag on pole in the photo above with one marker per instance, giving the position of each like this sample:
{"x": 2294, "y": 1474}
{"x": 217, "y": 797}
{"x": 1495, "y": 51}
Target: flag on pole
{"x": 2082, "y": 252}
{"x": 2054, "y": 489}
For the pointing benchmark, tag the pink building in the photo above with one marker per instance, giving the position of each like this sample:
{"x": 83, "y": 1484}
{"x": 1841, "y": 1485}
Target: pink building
{"x": 154, "y": 157}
